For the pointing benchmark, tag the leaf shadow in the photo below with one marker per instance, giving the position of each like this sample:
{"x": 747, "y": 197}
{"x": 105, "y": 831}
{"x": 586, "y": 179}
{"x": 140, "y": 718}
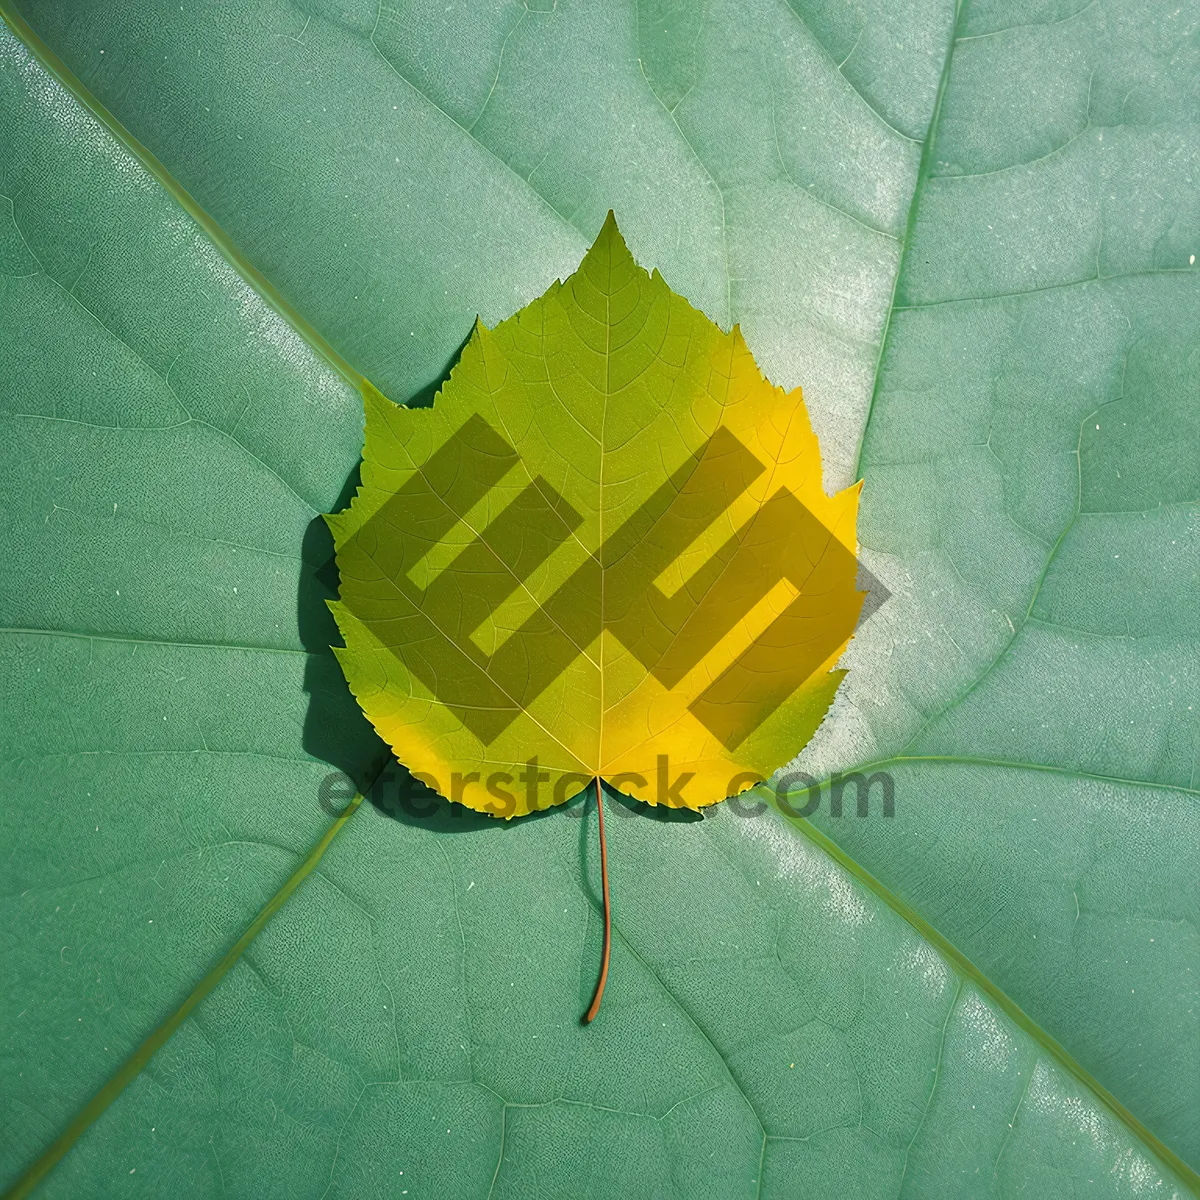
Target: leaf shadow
{"x": 336, "y": 731}
{"x": 630, "y": 807}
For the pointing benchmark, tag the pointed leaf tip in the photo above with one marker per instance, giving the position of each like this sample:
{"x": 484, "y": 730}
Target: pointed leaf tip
{"x": 610, "y": 237}
{"x": 608, "y": 263}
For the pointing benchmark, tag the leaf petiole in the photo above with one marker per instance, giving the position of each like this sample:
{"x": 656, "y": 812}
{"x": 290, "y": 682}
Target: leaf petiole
{"x": 590, "y": 1015}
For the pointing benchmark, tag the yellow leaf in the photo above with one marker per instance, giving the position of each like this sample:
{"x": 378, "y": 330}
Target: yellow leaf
{"x": 604, "y": 551}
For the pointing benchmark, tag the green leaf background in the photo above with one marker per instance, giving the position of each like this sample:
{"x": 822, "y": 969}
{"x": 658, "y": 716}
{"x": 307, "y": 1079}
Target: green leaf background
{"x": 970, "y": 235}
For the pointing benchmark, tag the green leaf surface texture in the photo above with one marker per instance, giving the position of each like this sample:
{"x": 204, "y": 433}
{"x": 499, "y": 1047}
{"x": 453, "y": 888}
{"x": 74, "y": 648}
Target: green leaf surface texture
{"x": 970, "y": 235}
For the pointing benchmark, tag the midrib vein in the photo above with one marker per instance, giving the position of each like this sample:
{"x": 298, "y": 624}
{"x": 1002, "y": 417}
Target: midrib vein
{"x": 603, "y": 441}
{"x": 967, "y": 969}
{"x": 221, "y": 241}
{"x": 928, "y": 149}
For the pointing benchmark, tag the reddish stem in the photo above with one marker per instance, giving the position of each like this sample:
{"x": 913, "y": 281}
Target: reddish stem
{"x": 590, "y": 1016}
